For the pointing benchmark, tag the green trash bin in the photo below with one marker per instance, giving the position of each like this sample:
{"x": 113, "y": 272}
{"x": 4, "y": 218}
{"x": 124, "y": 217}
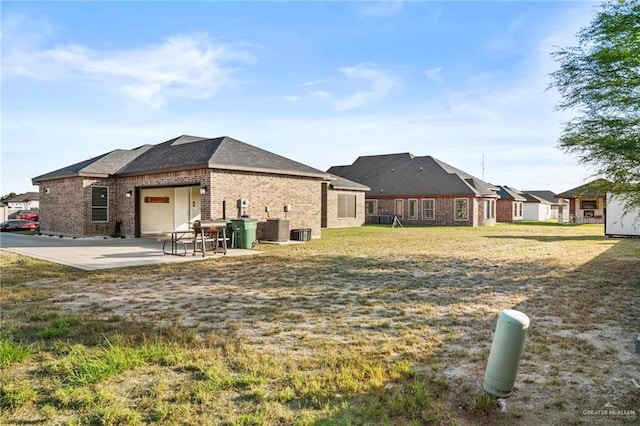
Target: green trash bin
{"x": 244, "y": 232}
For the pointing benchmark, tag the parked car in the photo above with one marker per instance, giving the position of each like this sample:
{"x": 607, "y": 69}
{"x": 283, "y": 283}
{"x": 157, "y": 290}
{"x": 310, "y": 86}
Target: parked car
{"x": 27, "y": 215}
{"x": 19, "y": 225}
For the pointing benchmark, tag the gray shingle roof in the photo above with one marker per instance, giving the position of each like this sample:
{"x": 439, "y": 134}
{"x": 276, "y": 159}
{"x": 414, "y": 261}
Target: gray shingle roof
{"x": 530, "y": 198}
{"x": 406, "y": 174}
{"x": 342, "y": 183}
{"x": 508, "y": 193}
{"x": 185, "y": 153}
{"x": 589, "y": 189}
{"x": 545, "y": 195}
{"x": 27, "y": 196}
{"x": 101, "y": 166}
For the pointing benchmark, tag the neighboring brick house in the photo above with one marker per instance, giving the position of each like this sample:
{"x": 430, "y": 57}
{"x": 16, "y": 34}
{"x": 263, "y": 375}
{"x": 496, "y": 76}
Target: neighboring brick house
{"x": 153, "y": 189}
{"x": 586, "y": 202}
{"x": 421, "y": 190}
{"x": 510, "y": 206}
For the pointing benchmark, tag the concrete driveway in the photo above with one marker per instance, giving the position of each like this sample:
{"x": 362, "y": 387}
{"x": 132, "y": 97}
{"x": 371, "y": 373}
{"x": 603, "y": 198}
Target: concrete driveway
{"x": 93, "y": 254}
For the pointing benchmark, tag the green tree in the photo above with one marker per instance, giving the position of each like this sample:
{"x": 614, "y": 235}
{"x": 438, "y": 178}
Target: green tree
{"x": 8, "y": 196}
{"x": 599, "y": 80}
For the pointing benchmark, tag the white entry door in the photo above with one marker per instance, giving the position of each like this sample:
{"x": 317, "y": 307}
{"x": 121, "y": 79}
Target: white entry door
{"x": 181, "y": 208}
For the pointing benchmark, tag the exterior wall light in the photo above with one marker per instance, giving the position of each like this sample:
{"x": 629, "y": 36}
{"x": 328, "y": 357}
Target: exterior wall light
{"x": 203, "y": 189}
{"x": 128, "y": 194}
{"x": 46, "y": 190}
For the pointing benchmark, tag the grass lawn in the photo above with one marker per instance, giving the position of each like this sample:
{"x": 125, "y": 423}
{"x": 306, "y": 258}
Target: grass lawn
{"x": 368, "y": 325}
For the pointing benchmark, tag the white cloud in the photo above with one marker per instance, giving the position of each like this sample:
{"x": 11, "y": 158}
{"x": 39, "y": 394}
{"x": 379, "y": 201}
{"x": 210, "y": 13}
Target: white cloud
{"x": 381, "y": 8}
{"x": 320, "y": 94}
{"x": 371, "y": 84}
{"x": 291, "y": 98}
{"x": 435, "y": 74}
{"x": 182, "y": 66}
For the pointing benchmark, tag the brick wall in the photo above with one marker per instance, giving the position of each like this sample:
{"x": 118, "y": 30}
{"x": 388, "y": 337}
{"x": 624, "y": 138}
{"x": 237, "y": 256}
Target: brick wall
{"x": 266, "y": 190}
{"x": 444, "y": 210}
{"x": 62, "y": 208}
{"x": 509, "y": 210}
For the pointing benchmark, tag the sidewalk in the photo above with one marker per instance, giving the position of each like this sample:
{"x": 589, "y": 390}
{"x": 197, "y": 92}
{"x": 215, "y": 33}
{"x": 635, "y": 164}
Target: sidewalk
{"x": 93, "y": 254}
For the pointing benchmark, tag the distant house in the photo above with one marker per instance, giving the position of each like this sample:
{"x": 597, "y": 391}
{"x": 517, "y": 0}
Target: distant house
{"x": 536, "y": 208}
{"x": 510, "y": 205}
{"x": 586, "y": 203}
{"x": 420, "y": 190}
{"x": 153, "y": 189}
{"x": 26, "y": 201}
{"x": 543, "y": 203}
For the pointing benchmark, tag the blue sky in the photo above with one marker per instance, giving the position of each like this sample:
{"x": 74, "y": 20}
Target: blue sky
{"x": 318, "y": 82}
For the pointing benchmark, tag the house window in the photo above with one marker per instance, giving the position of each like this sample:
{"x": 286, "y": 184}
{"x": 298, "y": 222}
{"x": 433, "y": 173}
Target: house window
{"x": 428, "y": 209}
{"x": 518, "y": 210}
{"x": 400, "y": 208}
{"x": 413, "y": 209}
{"x": 588, "y": 204}
{"x": 371, "y": 207}
{"x": 489, "y": 209}
{"x": 346, "y": 205}
{"x": 99, "y": 204}
{"x": 461, "y": 209}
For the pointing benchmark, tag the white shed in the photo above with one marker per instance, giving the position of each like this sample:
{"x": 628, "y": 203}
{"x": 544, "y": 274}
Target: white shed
{"x": 618, "y": 223}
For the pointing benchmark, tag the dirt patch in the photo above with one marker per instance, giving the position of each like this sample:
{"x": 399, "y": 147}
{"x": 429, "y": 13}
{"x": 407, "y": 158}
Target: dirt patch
{"x": 428, "y": 295}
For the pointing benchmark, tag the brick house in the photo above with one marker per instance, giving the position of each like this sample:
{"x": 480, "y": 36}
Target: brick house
{"x": 510, "y": 206}
{"x": 153, "y": 189}
{"x": 421, "y": 190}
{"x": 586, "y": 202}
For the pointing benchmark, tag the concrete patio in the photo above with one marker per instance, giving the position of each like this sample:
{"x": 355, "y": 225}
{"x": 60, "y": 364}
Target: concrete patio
{"x": 91, "y": 254}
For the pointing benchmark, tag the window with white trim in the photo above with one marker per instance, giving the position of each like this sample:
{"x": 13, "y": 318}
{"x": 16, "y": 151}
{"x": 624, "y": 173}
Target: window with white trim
{"x": 346, "y": 205}
{"x": 99, "y": 204}
{"x": 429, "y": 209}
{"x": 399, "y": 208}
{"x": 412, "y": 208}
{"x": 461, "y": 209}
{"x": 489, "y": 209}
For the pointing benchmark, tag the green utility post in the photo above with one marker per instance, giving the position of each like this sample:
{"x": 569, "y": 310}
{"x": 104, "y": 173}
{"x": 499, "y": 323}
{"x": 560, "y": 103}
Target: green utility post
{"x": 504, "y": 358}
